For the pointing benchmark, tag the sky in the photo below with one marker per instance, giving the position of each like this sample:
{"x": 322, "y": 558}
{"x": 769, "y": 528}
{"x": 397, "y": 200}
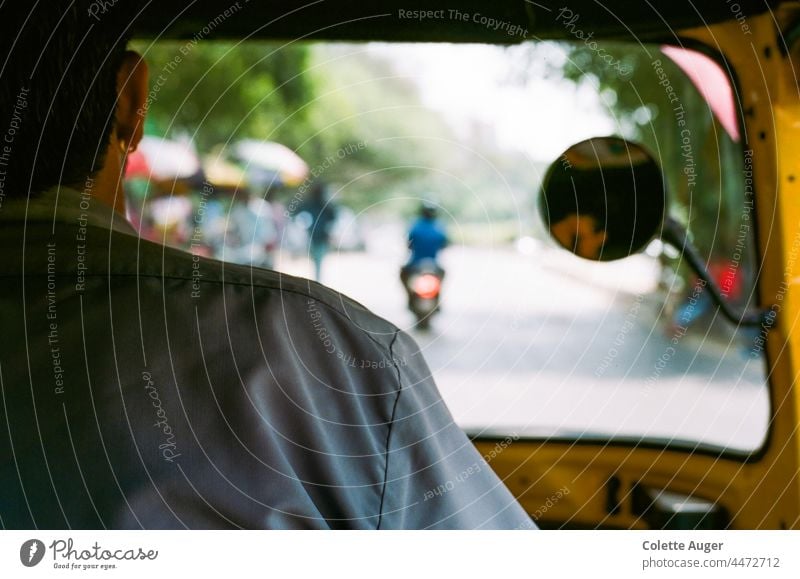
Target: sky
{"x": 541, "y": 115}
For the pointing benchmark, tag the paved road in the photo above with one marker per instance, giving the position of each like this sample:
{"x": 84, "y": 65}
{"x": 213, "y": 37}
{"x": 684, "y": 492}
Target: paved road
{"x": 550, "y": 344}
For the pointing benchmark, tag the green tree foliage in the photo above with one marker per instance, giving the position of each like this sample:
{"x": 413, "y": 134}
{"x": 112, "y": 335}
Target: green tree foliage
{"x": 359, "y": 124}
{"x": 221, "y": 92}
{"x": 410, "y": 151}
{"x": 362, "y": 102}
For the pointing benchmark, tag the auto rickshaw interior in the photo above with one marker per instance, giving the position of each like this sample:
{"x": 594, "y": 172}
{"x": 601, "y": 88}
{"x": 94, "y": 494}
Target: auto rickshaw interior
{"x": 616, "y": 179}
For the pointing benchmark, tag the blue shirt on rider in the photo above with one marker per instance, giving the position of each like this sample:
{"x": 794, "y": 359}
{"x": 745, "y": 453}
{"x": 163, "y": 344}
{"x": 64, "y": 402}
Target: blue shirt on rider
{"x": 426, "y": 239}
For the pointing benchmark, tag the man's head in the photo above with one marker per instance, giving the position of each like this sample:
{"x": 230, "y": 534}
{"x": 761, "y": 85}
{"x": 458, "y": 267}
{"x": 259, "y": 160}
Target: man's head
{"x": 69, "y": 96}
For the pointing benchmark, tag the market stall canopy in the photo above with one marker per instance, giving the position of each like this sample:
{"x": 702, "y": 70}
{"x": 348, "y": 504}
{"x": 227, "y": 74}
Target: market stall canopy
{"x": 268, "y": 163}
{"x": 169, "y": 159}
{"x": 169, "y": 211}
{"x": 222, "y": 173}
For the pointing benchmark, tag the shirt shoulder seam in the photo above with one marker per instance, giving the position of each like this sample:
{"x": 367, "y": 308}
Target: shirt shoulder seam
{"x": 389, "y": 430}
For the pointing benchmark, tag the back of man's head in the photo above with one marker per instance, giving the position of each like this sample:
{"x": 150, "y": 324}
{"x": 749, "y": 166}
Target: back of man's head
{"x": 58, "y": 88}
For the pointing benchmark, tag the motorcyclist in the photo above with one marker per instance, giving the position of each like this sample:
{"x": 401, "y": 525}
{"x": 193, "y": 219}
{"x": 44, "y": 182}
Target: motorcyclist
{"x": 426, "y": 239}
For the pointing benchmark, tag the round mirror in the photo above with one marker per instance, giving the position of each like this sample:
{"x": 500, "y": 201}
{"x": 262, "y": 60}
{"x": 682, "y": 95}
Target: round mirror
{"x": 603, "y": 199}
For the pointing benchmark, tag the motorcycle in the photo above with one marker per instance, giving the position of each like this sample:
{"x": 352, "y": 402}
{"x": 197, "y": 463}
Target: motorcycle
{"x": 423, "y": 282}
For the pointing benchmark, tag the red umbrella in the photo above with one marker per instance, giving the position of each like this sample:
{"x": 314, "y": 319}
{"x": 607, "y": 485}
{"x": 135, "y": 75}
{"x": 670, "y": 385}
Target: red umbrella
{"x": 137, "y": 166}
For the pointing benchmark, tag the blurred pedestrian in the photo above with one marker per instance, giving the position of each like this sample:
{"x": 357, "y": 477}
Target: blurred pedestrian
{"x": 318, "y": 211}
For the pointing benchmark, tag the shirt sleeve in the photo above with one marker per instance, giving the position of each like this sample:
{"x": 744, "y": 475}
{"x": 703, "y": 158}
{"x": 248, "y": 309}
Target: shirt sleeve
{"x": 435, "y": 477}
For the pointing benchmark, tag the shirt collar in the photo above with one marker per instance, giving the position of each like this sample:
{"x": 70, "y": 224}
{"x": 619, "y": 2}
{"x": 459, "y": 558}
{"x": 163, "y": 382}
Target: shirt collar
{"x": 63, "y": 205}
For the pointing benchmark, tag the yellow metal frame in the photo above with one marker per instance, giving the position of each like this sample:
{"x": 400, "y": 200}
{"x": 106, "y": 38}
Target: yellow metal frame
{"x": 568, "y": 483}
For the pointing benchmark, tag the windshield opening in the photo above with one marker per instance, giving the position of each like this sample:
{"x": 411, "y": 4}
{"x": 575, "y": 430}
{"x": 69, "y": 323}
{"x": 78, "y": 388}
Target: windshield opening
{"x": 315, "y": 159}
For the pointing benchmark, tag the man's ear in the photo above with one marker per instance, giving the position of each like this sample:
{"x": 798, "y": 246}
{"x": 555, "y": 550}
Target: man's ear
{"x": 132, "y": 86}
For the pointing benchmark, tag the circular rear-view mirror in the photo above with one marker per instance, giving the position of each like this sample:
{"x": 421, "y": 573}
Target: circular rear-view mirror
{"x": 603, "y": 199}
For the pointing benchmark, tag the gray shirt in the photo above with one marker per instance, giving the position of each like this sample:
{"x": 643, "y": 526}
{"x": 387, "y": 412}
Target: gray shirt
{"x": 144, "y": 387}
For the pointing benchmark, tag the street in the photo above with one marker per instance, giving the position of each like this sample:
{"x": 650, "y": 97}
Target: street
{"x": 548, "y": 344}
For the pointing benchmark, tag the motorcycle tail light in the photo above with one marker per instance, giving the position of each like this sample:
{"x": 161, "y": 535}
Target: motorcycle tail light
{"x": 427, "y": 286}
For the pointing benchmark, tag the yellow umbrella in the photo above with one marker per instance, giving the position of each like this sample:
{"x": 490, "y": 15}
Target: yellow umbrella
{"x": 267, "y": 159}
{"x": 223, "y": 173}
